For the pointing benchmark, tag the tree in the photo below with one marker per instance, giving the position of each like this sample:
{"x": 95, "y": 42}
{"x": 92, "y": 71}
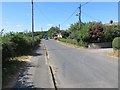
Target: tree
{"x": 111, "y": 21}
{"x": 64, "y": 34}
{"x": 96, "y": 33}
{"x": 52, "y": 31}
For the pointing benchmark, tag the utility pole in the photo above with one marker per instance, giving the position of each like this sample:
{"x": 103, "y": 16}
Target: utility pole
{"x": 32, "y": 25}
{"x": 41, "y": 29}
{"x": 79, "y": 16}
{"x": 59, "y": 26}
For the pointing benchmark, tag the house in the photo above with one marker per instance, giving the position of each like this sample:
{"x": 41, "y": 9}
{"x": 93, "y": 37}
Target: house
{"x": 59, "y": 35}
{"x": 113, "y": 24}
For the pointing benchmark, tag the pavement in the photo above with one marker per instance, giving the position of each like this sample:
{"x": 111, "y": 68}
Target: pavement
{"x": 82, "y": 68}
{"x": 37, "y": 73}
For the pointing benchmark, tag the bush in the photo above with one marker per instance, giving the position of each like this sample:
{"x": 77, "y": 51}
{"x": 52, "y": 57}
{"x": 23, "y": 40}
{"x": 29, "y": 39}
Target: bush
{"x": 71, "y": 41}
{"x": 116, "y": 43}
{"x": 109, "y": 35}
{"x": 96, "y": 33}
{"x": 16, "y": 44}
{"x": 21, "y": 44}
{"x": 8, "y": 51}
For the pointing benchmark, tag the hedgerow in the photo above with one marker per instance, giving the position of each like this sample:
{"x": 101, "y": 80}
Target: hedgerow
{"x": 16, "y": 44}
{"x": 91, "y": 32}
{"x": 116, "y": 43}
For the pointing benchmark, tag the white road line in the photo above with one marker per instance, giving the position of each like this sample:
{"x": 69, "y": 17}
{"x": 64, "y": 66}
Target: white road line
{"x": 46, "y": 60}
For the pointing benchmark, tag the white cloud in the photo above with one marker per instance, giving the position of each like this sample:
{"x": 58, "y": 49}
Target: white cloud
{"x": 49, "y": 25}
{"x": 68, "y": 25}
{"x": 18, "y": 25}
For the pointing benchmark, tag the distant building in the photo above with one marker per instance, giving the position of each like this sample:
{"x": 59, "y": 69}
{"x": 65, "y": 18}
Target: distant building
{"x": 59, "y": 35}
{"x": 55, "y": 37}
{"x": 113, "y": 24}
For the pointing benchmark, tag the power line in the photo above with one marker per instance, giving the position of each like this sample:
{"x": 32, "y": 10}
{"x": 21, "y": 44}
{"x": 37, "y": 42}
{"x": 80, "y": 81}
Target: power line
{"x": 69, "y": 16}
{"x": 86, "y": 3}
{"x": 90, "y": 16}
{"x": 74, "y": 12}
{"x": 41, "y": 12}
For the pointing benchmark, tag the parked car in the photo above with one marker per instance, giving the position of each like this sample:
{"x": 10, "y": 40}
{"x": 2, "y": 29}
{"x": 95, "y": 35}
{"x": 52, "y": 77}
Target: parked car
{"x": 46, "y": 38}
{"x": 55, "y": 37}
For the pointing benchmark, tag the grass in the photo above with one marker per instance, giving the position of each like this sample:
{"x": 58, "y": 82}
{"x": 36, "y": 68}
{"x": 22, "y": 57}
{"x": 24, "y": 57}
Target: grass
{"x": 114, "y": 53}
{"x": 24, "y": 58}
{"x": 12, "y": 67}
{"x": 71, "y": 45}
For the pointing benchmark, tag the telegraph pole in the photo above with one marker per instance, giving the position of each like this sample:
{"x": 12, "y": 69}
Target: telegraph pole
{"x": 41, "y": 29}
{"x": 32, "y": 24}
{"x": 79, "y": 16}
{"x": 59, "y": 26}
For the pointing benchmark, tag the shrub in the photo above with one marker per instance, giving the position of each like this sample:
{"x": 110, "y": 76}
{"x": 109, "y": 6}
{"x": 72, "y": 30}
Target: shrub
{"x": 116, "y": 43}
{"x": 71, "y": 41}
{"x": 37, "y": 40}
{"x": 8, "y": 51}
{"x": 109, "y": 35}
{"x": 21, "y": 44}
{"x": 16, "y": 44}
{"x": 95, "y": 33}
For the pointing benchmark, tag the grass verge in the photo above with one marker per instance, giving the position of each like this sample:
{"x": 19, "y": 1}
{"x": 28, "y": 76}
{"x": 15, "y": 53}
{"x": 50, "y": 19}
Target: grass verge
{"x": 11, "y": 69}
{"x": 114, "y": 53}
{"x": 71, "y": 45}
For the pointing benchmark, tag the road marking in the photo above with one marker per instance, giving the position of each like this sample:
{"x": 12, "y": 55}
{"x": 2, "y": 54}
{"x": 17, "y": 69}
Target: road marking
{"x": 46, "y": 60}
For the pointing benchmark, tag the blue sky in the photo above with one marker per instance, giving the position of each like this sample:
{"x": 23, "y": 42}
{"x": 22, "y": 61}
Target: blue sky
{"x": 16, "y": 16}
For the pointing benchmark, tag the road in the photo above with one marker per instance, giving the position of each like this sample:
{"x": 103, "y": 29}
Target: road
{"x": 82, "y": 68}
{"x": 37, "y": 73}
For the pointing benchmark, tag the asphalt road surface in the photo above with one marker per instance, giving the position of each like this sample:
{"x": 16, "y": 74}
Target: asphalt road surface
{"x": 82, "y": 68}
{"x": 37, "y": 73}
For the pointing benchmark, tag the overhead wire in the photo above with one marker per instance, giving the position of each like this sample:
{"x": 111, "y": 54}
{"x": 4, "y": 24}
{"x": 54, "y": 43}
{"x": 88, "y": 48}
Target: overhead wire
{"x": 90, "y": 16}
{"x": 69, "y": 16}
{"x": 74, "y": 13}
{"x": 41, "y": 12}
{"x": 86, "y": 3}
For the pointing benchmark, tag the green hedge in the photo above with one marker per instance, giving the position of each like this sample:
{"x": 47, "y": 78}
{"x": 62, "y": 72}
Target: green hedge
{"x": 16, "y": 44}
{"x": 116, "y": 43}
{"x": 75, "y": 42}
{"x": 109, "y": 35}
{"x": 71, "y": 41}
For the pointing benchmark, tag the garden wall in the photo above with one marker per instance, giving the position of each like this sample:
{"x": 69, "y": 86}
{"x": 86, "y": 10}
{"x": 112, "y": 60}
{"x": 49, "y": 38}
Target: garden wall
{"x": 100, "y": 45}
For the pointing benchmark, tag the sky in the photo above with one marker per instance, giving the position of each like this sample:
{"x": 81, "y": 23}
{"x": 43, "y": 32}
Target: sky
{"x": 16, "y": 16}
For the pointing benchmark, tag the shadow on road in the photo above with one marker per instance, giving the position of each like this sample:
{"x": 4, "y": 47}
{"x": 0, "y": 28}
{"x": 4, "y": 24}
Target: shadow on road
{"x": 36, "y": 54}
{"x": 24, "y": 79}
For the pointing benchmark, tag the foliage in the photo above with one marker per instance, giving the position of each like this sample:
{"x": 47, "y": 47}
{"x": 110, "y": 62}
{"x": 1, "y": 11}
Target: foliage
{"x": 64, "y": 34}
{"x": 43, "y": 34}
{"x": 92, "y": 32}
{"x": 71, "y": 41}
{"x": 95, "y": 33}
{"x": 52, "y": 31}
{"x": 1, "y": 32}
{"x": 110, "y": 33}
{"x": 73, "y": 30}
{"x": 83, "y": 33}
{"x": 116, "y": 43}
{"x": 16, "y": 44}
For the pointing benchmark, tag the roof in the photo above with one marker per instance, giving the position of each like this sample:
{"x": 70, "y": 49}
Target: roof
{"x": 114, "y": 23}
